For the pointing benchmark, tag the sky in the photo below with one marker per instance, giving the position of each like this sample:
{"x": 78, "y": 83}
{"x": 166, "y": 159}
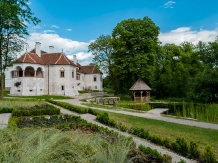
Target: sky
{"x": 70, "y": 25}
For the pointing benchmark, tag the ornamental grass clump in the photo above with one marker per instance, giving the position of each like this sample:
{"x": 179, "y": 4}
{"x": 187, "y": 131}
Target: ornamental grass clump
{"x": 52, "y": 145}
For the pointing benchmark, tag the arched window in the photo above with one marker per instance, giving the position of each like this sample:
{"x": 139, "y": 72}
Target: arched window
{"x": 29, "y": 71}
{"x": 95, "y": 78}
{"x": 39, "y": 73}
{"x": 62, "y": 72}
{"x": 18, "y": 72}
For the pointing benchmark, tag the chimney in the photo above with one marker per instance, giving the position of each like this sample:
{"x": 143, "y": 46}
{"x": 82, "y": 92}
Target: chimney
{"x": 38, "y": 49}
{"x": 74, "y": 59}
{"x": 51, "y": 49}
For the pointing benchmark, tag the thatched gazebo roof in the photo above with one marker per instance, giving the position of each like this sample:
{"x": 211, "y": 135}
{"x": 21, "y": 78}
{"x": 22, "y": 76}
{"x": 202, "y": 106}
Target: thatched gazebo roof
{"x": 140, "y": 85}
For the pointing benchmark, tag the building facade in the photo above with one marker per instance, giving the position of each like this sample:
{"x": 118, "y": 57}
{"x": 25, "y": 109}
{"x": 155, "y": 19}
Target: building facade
{"x": 38, "y": 72}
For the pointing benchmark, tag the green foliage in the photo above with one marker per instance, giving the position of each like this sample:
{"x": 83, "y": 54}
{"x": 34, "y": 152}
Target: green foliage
{"x": 193, "y": 151}
{"x": 180, "y": 146}
{"x": 105, "y": 119}
{"x": 36, "y": 110}
{"x": 6, "y": 110}
{"x": 182, "y": 161}
{"x": 201, "y": 112}
{"x": 52, "y": 145}
{"x": 68, "y": 106}
{"x": 148, "y": 150}
{"x": 135, "y": 42}
{"x": 204, "y": 86}
{"x": 209, "y": 154}
{"x": 167, "y": 158}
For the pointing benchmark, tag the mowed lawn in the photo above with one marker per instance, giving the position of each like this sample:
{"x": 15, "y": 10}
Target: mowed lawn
{"x": 171, "y": 130}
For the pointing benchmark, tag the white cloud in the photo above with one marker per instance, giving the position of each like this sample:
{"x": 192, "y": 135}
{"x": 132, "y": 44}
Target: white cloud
{"x": 70, "y": 47}
{"x": 54, "y": 26}
{"x": 81, "y": 55}
{"x": 69, "y": 29}
{"x": 169, "y": 4}
{"x": 182, "y": 34}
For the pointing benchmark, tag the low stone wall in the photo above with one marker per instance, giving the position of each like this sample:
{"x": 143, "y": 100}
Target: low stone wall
{"x": 107, "y": 100}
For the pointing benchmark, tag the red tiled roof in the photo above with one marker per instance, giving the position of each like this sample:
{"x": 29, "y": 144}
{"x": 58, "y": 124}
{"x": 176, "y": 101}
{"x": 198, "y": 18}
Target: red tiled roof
{"x": 91, "y": 69}
{"x": 56, "y": 59}
{"x": 45, "y": 59}
{"x": 30, "y": 58}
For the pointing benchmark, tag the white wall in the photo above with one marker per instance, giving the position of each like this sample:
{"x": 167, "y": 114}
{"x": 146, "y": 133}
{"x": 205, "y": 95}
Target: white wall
{"x": 89, "y": 81}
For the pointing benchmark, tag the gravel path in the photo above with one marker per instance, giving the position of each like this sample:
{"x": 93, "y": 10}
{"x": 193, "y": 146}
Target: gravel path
{"x": 153, "y": 114}
{"x": 138, "y": 141}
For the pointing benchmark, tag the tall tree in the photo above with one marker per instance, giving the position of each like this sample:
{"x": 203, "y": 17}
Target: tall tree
{"x": 135, "y": 43}
{"x": 102, "y": 49}
{"x": 14, "y": 16}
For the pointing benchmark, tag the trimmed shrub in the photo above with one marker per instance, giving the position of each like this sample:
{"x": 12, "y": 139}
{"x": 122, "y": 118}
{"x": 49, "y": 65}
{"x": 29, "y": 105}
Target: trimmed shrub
{"x": 148, "y": 150}
{"x": 194, "y": 152}
{"x": 6, "y": 110}
{"x": 70, "y": 107}
{"x": 209, "y": 154}
{"x": 180, "y": 146}
{"x": 36, "y": 110}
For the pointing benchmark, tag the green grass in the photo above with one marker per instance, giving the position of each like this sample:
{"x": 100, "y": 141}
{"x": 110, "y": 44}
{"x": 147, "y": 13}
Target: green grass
{"x": 7, "y": 94}
{"x": 12, "y": 103}
{"x": 111, "y": 107}
{"x": 170, "y": 130}
{"x": 52, "y": 145}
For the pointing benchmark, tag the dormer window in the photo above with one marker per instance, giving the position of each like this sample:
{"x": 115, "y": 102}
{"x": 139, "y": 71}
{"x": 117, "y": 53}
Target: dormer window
{"x": 62, "y": 72}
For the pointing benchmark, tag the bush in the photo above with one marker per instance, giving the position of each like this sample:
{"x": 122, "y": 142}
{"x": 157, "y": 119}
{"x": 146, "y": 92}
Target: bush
{"x": 194, "y": 152}
{"x": 36, "y": 110}
{"x": 70, "y": 107}
{"x": 209, "y": 154}
{"x": 148, "y": 150}
{"x": 103, "y": 118}
{"x": 140, "y": 132}
{"x": 6, "y": 110}
{"x": 180, "y": 146}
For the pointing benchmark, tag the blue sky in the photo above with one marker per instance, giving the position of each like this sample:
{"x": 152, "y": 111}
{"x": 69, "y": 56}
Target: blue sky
{"x": 72, "y": 24}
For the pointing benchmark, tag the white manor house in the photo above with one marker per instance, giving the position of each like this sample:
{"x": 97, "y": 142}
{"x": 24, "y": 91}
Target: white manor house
{"x": 38, "y": 72}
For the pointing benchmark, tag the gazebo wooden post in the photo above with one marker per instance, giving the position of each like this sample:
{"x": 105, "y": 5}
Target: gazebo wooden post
{"x": 148, "y": 92}
{"x": 141, "y": 96}
{"x": 134, "y": 95}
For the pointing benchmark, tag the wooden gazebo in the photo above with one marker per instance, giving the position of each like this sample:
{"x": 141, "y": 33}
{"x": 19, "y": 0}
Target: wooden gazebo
{"x": 140, "y": 91}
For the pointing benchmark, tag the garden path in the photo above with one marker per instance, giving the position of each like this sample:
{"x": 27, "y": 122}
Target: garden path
{"x": 138, "y": 141}
{"x": 151, "y": 115}
{"x": 4, "y": 120}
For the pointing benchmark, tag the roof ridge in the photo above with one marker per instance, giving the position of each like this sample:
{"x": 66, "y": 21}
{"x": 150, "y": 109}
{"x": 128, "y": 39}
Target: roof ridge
{"x": 65, "y": 57}
{"x": 31, "y": 58}
{"x": 24, "y": 57}
{"x": 58, "y": 59}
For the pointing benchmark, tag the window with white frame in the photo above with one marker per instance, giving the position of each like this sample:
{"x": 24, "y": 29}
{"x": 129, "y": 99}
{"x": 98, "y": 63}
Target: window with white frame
{"x": 77, "y": 77}
{"x": 62, "y": 72}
